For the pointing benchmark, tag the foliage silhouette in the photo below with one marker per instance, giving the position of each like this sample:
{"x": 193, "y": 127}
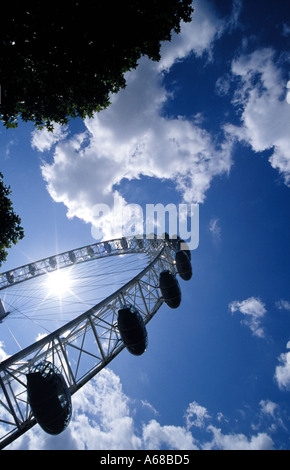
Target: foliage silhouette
{"x": 62, "y": 60}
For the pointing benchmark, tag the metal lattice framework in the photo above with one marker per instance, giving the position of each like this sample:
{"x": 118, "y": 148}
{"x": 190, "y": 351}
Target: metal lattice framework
{"x": 86, "y": 344}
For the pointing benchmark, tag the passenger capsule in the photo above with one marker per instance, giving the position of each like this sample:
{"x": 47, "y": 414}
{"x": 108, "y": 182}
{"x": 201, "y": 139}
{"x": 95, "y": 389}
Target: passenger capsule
{"x": 72, "y": 257}
{"x": 52, "y": 262}
{"x": 132, "y": 330}
{"x": 182, "y": 245}
{"x": 140, "y": 243}
{"x": 10, "y": 277}
{"x": 90, "y": 252}
{"x": 32, "y": 269}
{"x": 49, "y": 397}
{"x": 179, "y": 244}
{"x": 124, "y": 243}
{"x": 170, "y": 289}
{"x": 183, "y": 265}
{"x": 107, "y": 247}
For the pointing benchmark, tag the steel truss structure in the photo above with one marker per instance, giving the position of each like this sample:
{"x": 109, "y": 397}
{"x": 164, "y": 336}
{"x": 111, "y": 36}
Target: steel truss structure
{"x": 85, "y": 345}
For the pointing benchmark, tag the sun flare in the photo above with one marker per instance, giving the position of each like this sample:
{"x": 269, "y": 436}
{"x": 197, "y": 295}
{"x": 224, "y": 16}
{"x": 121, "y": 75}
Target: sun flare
{"x": 58, "y": 282}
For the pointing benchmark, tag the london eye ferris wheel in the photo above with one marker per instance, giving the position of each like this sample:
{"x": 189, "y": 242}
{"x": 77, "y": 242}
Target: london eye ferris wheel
{"x": 67, "y": 316}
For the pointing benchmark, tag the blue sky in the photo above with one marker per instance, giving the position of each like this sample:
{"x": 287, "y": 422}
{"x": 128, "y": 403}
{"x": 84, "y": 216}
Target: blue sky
{"x": 208, "y": 124}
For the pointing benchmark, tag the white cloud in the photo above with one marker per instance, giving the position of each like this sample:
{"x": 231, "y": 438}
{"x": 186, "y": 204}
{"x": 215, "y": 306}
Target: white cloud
{"x": 198, "y": 412}
{"x": 283, "y": 305}
{"x": 148, "y": 405}
{"x": 222, "y": 441}
{"x": 253, "y": 310}
{"x": 174, "y": 437}
{"x": 3, "y": 354}
{"x": 198, "y": 36}
{"x": 233, "y": 21}
{"x": 132, "y": 138}
{"x": 43, "y": 139}
{"x": 282, "y": 373}
{"x": 223, "y": 85}
{"x": 286, "y": 29}
{"x": 268, "y": 407}
{"x": 265, "y": 112}
{"x": 8, "y": 148}
{"x": 215, "y": 228}
{"x": 113, "y": 427}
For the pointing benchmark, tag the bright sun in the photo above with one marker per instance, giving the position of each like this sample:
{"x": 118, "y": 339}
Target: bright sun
{"x": 58, "y": 282}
